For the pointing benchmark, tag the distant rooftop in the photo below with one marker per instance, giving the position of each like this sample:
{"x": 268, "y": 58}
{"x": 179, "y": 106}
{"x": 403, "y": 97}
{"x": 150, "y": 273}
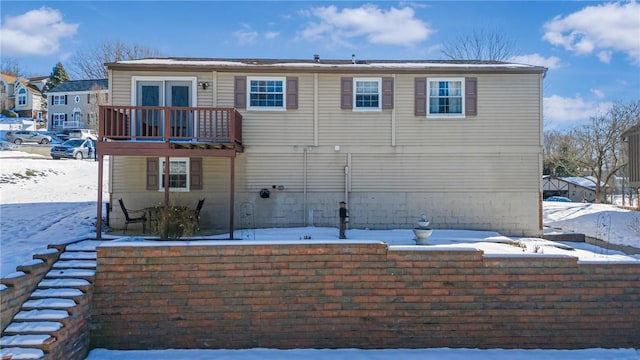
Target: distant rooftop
{"x": 81, "y": 85}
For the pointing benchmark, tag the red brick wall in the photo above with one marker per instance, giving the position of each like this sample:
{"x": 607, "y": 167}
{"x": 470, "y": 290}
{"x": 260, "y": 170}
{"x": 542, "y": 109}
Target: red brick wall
{"x": 357, "y": 296}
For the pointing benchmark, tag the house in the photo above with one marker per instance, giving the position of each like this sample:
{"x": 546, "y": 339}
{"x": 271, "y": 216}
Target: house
{"x": 7, "y": 93}
{"x": 279, "y": 143}
{"x": 632, "y": 137}
{"x": 23, "y": 96}
{"x": 74, "y": 104}
{"x": 576, "y": 188}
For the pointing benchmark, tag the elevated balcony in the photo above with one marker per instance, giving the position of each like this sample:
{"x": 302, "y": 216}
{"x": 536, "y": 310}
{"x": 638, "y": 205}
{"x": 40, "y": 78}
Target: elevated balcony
{"x": 169, "y": 131}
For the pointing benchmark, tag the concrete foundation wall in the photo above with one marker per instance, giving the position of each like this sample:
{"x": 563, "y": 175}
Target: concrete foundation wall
{"x": 356, "y": 295}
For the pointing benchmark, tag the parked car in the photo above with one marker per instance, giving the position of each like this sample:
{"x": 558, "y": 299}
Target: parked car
{"x": 26, "y": 136}
{"x": 83, "y": 134}
{"x": 558, "y": 199}
{"x": 74, "y": 149}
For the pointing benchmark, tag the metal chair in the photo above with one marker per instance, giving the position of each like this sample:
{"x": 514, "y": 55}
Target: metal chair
{"x": 133, "y": 220}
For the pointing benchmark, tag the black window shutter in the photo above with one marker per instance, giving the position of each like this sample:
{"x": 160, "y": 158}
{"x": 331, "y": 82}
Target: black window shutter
{"x": 88, "y": 98}
{"x": 471, "y": 96}
{"x": 195, "y": 176}
{"x": 240, "y": 92}
{"x": 153, "y": 170}
{"x": 420, "y": 101}
{"x": 346, "y": 93}
{"x": 292, "y": 92}
{"x": 65, "y": 99}
{"x": 387, "y": 93}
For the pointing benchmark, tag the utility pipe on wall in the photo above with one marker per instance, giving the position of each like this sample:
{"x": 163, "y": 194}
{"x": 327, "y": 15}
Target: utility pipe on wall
{"x": 304, "y": 186}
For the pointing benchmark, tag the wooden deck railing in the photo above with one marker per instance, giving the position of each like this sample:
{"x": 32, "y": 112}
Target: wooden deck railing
{"x": 170, "y": 124}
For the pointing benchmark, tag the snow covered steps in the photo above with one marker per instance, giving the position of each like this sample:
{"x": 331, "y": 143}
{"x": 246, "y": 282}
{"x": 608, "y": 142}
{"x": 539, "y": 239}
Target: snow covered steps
{"x": 55, "y": 307}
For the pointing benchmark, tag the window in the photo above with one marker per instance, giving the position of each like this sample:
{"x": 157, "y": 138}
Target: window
{"x": 266, "y": 93}
{"x": 178, "y": 174}
{"x": 77, "y": 99}
{"x": 58, "y": 100}
{"x": 22, "y": 97}
{"x": 445, "y": 97}
{"x": 367, "y": 93}
{"x": 58, "y": 119}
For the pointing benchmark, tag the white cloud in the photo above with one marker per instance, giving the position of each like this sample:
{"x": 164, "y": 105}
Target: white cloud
{"x": 36, "y": 32}
{"x": 551, "y": 62}
{"x": 605, "y": 29}
{"x": 246, "y": 36}
{"x": 598, "y": 93}
{"x": 392, "y": 27}
{"x": 567, "y": 110}
{"x": 271, "y": 35}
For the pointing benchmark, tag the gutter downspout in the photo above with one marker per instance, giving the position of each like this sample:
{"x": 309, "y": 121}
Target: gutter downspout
{"x": 304, "y": 187}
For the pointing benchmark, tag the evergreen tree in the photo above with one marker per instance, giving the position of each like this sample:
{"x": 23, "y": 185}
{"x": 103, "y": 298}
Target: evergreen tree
{"x": 57, "y": 77}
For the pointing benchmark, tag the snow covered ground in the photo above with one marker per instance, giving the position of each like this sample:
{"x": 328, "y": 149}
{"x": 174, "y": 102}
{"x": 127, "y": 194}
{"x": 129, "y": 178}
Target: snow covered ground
{"x": 44, "y": 201}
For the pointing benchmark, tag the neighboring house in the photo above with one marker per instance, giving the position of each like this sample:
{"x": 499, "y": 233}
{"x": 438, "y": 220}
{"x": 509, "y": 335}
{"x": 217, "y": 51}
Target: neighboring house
{"x": 74, "y": 104}
{"x": 7, "y": 93}
{"x": 24, "y": 96}
{"x": 279, "y": 143}
{"x": 578, "y": 189}
{"x": 632, "y": 137}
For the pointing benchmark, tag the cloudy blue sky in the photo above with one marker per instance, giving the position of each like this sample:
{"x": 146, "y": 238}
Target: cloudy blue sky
{"x": 591, "y": 48}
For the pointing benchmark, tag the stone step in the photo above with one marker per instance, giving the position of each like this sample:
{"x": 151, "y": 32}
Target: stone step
{"x": 56, "y": 292}
{"x": 41, "y": 315}
{"x": 48, "y": 303}
{"x": 78, "y": 264}
{"x": 71, "y": 273}
{"x": 78, "y": 255}
{"x": 15, "y": 353}
{"x": 34, "y": 327}
{"x": 87, "y": 245}
{"x": 26, "y": 340}
{"x": 63, "y": 283}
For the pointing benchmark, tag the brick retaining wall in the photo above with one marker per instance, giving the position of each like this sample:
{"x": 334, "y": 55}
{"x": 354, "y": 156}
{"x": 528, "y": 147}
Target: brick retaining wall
{"x": 357, "y": 295}
{"x": 19, "y": 288}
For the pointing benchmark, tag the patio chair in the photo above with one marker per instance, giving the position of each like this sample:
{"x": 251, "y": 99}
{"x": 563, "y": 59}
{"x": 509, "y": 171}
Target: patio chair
{"x": 197, "y": 212}
{"x": 133, "y": 220}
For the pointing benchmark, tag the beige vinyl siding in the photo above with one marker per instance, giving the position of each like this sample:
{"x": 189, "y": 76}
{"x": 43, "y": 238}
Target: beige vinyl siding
{"x": 506, "y": 115}
{"x": 443, "y": 172}
{"x": 120, "y": 86}
{"x": 337, "y": 126}
{"x": 480, "y": 172}
{"x": 273, "y": 127}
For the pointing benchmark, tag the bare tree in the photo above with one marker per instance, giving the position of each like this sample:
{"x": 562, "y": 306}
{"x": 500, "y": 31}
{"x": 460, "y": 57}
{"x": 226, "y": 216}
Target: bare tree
{"x": 598, "y": 148}
{"x": 480, "y": 45}
{"x": 559, "y": 154}
{"x": 10, "y": 66}
{"x": 97, "y": 97}
{"x": 89, "y": 64}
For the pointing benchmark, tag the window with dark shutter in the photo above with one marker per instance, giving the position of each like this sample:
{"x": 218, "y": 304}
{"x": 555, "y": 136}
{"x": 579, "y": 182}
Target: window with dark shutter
{"x": 240, "y": 92}
{"x": 195, "y": 168}
{"x": 387, "y": 93}
{"x": 292, "y": 92}
{"x": 346, "y": 93}
{"x": 420, "y": 101}
{"x": 152, "y": 173}
{"x": 471, "y": 96}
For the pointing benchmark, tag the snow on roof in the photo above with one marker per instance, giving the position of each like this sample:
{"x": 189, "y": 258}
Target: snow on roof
{"x": 328, "y": 63}
{"x": 588, "y": 182}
